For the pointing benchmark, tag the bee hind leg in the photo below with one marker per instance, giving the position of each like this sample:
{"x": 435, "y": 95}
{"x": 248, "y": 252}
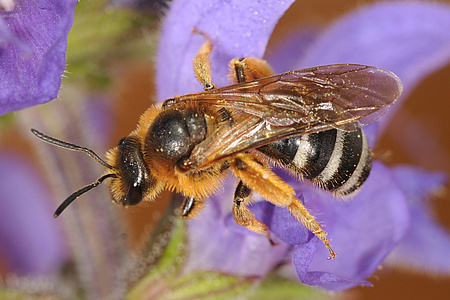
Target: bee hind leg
{"x": 243, "y": 216}
{"x": 272, "y": 188}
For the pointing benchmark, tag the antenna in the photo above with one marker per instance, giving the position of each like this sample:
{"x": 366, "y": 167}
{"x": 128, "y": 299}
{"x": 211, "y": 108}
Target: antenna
{"x": 81, "y": 191}
{"x": 91, "y": 153}
{"x": 59, "y": 143}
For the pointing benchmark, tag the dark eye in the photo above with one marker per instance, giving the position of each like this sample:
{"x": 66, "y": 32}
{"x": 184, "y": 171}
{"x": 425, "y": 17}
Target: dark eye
{"x": 121, "y": 141}
{"x": 134, "y": 195}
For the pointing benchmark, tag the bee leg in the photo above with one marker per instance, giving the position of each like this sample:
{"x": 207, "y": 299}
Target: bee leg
{"x": 190, "y": 207}
{"x": 202, "y": 64}
{"x": 202, "y": 69}
{"x": 272, "y": 188}
{"x": 243, "y": 216}
{"x": 249, "y": 68}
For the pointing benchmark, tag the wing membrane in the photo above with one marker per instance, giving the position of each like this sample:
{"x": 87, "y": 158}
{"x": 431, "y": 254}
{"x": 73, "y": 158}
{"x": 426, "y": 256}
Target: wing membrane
{"x": 294, "y": 103}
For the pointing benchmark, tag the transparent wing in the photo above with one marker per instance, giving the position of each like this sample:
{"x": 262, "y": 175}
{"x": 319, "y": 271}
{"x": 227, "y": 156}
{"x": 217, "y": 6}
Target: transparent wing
{"x": 294, "y": 103}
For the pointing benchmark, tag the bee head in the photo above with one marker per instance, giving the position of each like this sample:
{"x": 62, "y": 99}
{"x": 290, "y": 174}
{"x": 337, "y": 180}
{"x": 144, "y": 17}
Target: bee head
{"x": 134, "y": 181}
{"x": 130, "y": 179}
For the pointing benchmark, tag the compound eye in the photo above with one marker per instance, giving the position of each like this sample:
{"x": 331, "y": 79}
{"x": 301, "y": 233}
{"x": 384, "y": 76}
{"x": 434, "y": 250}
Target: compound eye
{"x": 134, "y": 195}
{"x": 121, "y": 141}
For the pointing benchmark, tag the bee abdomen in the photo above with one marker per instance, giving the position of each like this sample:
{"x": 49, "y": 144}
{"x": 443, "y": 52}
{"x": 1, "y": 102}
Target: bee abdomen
{"x": 335, "y": 160}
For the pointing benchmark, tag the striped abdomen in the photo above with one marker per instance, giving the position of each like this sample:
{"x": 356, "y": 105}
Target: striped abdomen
{"x": 335, "y": 160}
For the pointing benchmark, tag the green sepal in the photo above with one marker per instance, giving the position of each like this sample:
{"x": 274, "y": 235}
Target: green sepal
{"x": 198, "y": 285}
{"x": 278, "y": 288}
{"x": 207, "y": 285}
{"x": 7, "y": 120}
{"x": 168, "y": 264}
{"x": 8, "y": 294}
{"x": 175, "y": 253}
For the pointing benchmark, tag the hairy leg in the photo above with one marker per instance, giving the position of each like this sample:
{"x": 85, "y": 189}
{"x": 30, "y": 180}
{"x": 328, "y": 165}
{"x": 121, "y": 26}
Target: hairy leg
{"x": 272, "y": 188}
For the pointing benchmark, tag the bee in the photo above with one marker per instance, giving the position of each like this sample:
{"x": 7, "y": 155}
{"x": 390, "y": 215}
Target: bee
{"x": 306, "y": 121}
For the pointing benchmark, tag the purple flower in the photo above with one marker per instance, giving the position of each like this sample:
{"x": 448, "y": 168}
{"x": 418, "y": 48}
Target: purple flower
{"x": 33, "y": 38}
{"x": 409, "y": 39}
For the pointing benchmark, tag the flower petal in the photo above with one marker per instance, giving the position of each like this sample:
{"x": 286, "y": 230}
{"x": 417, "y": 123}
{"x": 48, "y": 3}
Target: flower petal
{"x": 284, "y": 56}
{"x": 33, "y": 52}
{"x": 30, "y": 239}
{"x": 363, "y": 231}
{"x": 281, "y": 223}
{"x": 302, "y": 257}
{"x": 244, "y": 30}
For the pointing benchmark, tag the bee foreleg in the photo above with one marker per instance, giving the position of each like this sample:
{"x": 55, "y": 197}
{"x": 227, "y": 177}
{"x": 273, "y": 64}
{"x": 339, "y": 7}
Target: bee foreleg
{"x": 202, "y": 64}
{"x": 243, "y": 216}
{"x": 272, "y": 188}
{"x": 190, "y": 207}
